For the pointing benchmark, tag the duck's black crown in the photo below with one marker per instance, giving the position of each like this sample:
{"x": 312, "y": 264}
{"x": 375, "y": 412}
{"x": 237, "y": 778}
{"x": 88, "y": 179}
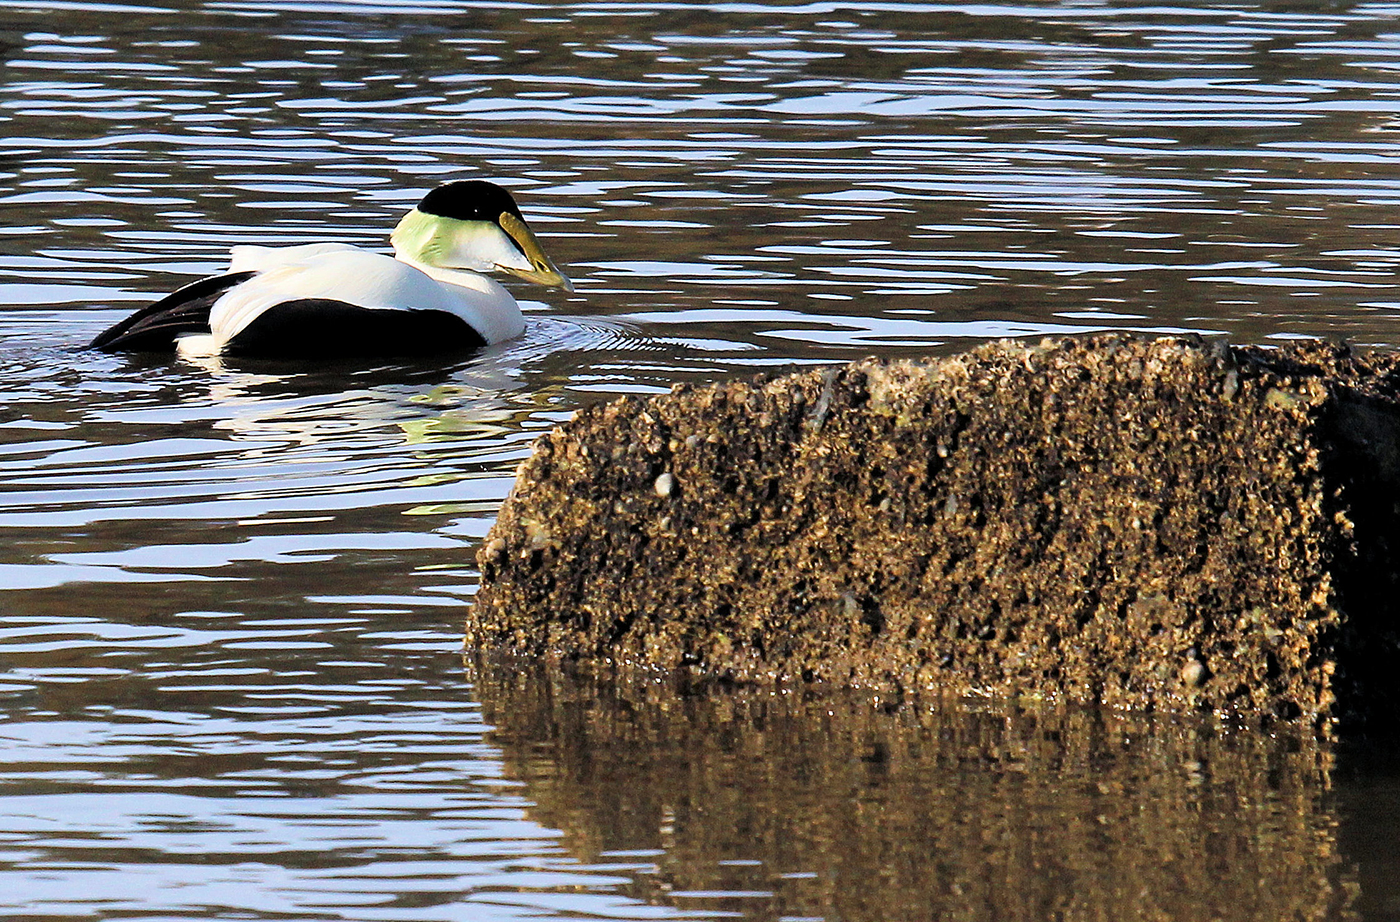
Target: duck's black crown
{"x": 469, "y": 200}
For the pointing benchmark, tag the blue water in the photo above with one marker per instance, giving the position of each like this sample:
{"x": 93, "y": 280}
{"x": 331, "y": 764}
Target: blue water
{"x": 233, "y": 683}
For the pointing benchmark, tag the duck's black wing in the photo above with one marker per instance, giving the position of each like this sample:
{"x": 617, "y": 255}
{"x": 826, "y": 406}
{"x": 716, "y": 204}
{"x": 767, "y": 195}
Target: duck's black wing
{"x": 155, "y": 328}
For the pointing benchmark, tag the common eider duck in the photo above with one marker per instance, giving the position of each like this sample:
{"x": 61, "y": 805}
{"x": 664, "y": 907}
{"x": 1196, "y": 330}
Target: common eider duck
{"x": 332, "y": 299}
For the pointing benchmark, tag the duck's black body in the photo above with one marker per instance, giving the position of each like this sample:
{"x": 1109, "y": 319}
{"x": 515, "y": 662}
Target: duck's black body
{"x": 322, "y": 328}
{"x": 310, "y": 327}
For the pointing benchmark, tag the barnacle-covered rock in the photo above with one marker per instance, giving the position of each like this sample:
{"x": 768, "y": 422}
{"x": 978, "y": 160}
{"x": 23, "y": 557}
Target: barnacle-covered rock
{"x": 1135, "y": 523}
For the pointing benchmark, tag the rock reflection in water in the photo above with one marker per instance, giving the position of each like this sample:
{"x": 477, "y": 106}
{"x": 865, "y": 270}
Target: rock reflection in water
{"x": 838, "y": 808}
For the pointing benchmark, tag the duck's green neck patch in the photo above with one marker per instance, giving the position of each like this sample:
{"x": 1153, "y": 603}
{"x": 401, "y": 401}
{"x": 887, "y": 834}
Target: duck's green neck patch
{"x": 423, "y": 238}
{"x": 453, "y": 243}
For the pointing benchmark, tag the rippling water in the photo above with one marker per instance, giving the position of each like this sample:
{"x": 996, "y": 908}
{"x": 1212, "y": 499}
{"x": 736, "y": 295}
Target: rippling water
{"x": 233, "y": 684}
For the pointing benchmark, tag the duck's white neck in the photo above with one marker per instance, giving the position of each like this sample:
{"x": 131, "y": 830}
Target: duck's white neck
{"x": 462, "y": 278}
{"x": 481, "y": 302}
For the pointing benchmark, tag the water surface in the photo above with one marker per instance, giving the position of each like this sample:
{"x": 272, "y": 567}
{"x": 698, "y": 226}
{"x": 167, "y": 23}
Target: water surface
{"x": 232, "y": 679}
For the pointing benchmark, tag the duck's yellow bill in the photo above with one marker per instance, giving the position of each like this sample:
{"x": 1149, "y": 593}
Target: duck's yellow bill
{"x": 542, "y": 270}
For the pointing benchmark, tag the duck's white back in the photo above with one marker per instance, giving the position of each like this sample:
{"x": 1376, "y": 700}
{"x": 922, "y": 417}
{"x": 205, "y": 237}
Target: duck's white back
{"x": 338, "y": 272}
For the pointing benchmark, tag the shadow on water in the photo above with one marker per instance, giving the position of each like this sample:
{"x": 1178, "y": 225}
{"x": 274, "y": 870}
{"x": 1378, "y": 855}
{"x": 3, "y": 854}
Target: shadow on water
{"x": 783, "y": 807}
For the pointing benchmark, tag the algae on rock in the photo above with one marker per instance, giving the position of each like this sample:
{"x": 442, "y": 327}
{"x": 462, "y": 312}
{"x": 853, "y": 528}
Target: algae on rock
{"x": 1135, "y": 523}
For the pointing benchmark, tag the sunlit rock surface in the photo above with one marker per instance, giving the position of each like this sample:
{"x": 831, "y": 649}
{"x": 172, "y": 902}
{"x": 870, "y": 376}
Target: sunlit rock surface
{"x": 1141, "y": 524}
